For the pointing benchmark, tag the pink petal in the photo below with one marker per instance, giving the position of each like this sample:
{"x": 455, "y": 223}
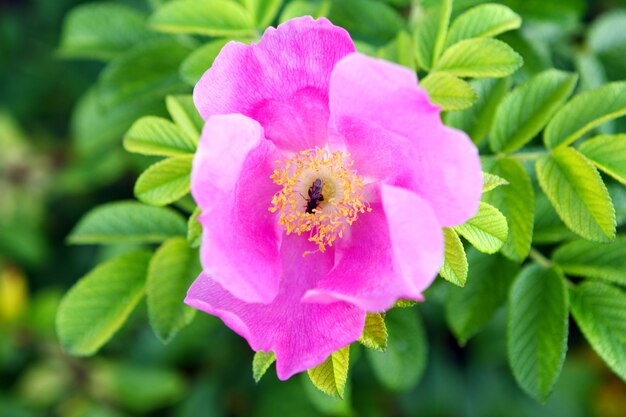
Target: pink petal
{"x": 302, "y": 335}
{"x": 230, "y": 182}
{"x": 445, "y": 164}
{"x": 282, "y": 81}
{"x": 395, "y": 252}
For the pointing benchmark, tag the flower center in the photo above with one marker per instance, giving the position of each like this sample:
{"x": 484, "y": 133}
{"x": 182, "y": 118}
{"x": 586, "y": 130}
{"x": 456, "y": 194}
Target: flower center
{"x": 320, "y": 195}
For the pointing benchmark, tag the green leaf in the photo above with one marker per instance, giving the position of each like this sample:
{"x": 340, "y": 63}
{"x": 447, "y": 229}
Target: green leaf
{"x": 487, "y": 230}
{"x": 491, "y": 182}
{"x": 263, "y": 11}
{"x": 200, "y": 60}
{"x": 148, "y": 71}
{"x": 375, "y": 332}
{"x": 600, "y": 312}
{"x": 526, "y": 110}
{"x": 454, "y": 268}
{"x": 607, "y": 40}
{"x": 127, "y": 222}
{"x": 401, "y": 366}
{"x": 400, "y": 50}
{"x": 171, "y": 271}
{"x": 203, "y": 17}
{"x": 468, "y": 309}
{"x": 448, "y": 91}
{"x": 606, "y": 261}
{"x": 479, "y": 58}
{"x": 367, "y": 20}
{"x": 331, "y": 375}
{"x": 584, "y": 112}
{"x": 537, "y": 329}
{"x": 165, "y": 182}
{"x": 404, "y": 303}
{"x": 430, "y": 34}
{"x": 578, "y": 194}
{"x": 185, "y": 115}
{"x": 99, "y": 304}
{"x": 549, "y": 228}
{"x": 607, "y": 152}
{"x": 516, "y": 201}
{"x": 486, "y": 20}
{"x": 102, "y": 30}
{"x": 157, "y": 136}
{"x": 194, "y": 229}
{"x": 261, "y": 363}
{"x": 298, "y": 8}
{"x": 477, "y": 120}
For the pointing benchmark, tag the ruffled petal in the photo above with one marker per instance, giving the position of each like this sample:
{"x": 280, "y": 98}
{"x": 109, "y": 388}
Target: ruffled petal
{"x": 394, "y": 252}
{"x": 282, "y": 81}
{"x": 230, "y": 182}
{"x": 302, "y": 335}
{"x": 446, "y": 167}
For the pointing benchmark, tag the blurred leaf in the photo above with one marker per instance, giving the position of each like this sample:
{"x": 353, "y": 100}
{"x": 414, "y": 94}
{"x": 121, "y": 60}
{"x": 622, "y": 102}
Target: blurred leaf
{"x": 549, "y": 228}
{"x": 331, "y": 375}
{"x": 325, "y": 405}
{"x": 487, "y": 230}
{"x": 102, "y": 30}
{"x": 526, "y": 110}
{"x": 261, "y": 363}
{"x": 157, "y": 136}
{"x": 172, "y": 269}
{"x": 194, "y": 229}
{"x": 203, "y": 17}
{"x": 486, "y": 20}
{"x": 263, "y": 11}
{"x": 399, "y": 50}
{"x": 605, "y": 261}
{"x": 537, "y": 329}
{"x": 200, "y": 60}
{"x": 296, "y": 8}
{"x": 404, "y": 303}
{"x": 13, "y": 294}
{"x": 127, "y": 222}
{"x": 454, "y": 268}
{"x": 165, "y": 182}
{"x": 608, "y": 153}
{"x": 375, "y": 332}
{"x": 557, "y": 11}
{"x": 468, "y": 309}
{"x": 430, "y": 34}
{"x": 149, "y": 71}
{"x": 584, "y": 112}
{"x": 185, "y": 115}
{"x": 477, "y": 120}
{"x": 448, "y": 91}
{"x": 492, "y": 181}
{"x": 600, "y": 312}
{"x": 366, "y": 20}
{"x": 479, "y": 58}
{"x": 606, "y": 39}
{"x": 401, "y": 366}
{"x": 516, "y": 201}
{"x": 578, "y": 194}
{"x": 100, "y": 302}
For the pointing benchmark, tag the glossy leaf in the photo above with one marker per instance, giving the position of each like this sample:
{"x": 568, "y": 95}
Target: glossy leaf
{"x": 487, "y": 230}
{"x": 454, "y": 268}
{"x": 165, "y": 182}
{"x": 157, "y": 136}
{"x": 608, "y": 153}
{"x": 605, "y": 261}
{"x": 486, "y": 20}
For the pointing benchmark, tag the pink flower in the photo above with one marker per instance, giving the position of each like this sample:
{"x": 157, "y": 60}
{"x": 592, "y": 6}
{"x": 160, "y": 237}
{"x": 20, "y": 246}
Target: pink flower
{"x": 324, "y": 178}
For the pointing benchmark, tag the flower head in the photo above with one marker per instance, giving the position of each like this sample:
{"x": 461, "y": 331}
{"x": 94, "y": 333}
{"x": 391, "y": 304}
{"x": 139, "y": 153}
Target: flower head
{"x": 310, "y": 148}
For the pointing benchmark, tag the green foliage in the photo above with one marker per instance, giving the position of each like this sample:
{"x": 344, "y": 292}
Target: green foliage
{"x": 526, "y": 110}
{"x": 600, "y": 312}
{"x": 491, "y": 182}
{"x": 375, "y": 332}
{"x": 608, "y": 153}
{"x": 127, "y": 222}
{"x": 263, "y": 11}
{"x": 448, "y": 91}
{"x": 487, "y": 230}
{"x": 331, "y": 375}
{"x": 578, "y": 194}
{"x": 482, "y": 21}
{"x": 200, "y": 60}
{"x": 261, "y": 363}
{"x": 194, "y": 229}
{"x": 584, "y": 112}
{"x": 97, "y": 306}
{"x": 468, "y": 309}
{"x": 594, "y": 260}
{"x": 537, "y": 329}
{"x": 170, "y": 273}
{"x": 401, "y": 366}
{"x": 367, "y": 20}
{"x": 157, "y": 136}
{"x": 165, "y": 182}
{"x": 454, "y": 268}
{"x": 203, "y": 17}
{"x": 185, "y": 115}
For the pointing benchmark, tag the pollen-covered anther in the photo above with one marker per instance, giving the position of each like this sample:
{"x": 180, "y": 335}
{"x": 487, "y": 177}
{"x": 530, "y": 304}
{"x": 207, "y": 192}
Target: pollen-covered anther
{"x": 321, "y": 195}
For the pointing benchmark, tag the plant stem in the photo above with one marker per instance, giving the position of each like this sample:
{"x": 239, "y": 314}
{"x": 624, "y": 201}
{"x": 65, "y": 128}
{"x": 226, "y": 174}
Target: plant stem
{"x": 527, "y": 156}
{"x": 538, "y": 257}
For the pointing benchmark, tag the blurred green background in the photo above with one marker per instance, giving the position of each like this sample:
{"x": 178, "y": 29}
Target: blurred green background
{"x": 48, "y": 180}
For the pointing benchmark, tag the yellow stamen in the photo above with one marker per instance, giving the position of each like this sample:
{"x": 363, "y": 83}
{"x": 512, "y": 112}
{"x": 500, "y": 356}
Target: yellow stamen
{"x": 326, "y": 218}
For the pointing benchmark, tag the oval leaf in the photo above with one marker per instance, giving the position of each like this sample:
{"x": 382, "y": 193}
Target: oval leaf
{"x": 537, "y": 329}
{"x": 331, "y": 375}
{"x": 607, "y": 152}
{"x": 261, "y": 363}
{"x": 454, "y": 268}
{"x": 491, "y": 182}
{"x": 584, "y": 112}
{"x": 606, "y": 261}
{"x": 157, "y": 136}
{"x": 448, "y": 91}
{"x": 97, "y": 306}
{"x": 128, "y": 222}
{"x": 483, "y": 21}
{"x": 578, "y": 194}
{"x": 165, "y": 182}
{"x": 375, "y": 332}
{"x": 525, "y": 111}
{"x": 479, "y": 58}
{"x": 487, "y": 230}
{"x": 185, "y": 115}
